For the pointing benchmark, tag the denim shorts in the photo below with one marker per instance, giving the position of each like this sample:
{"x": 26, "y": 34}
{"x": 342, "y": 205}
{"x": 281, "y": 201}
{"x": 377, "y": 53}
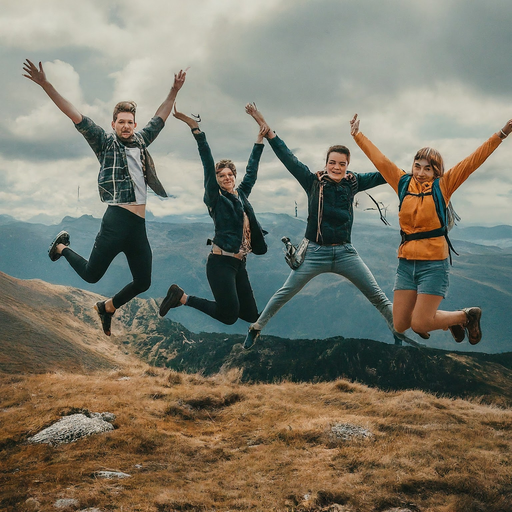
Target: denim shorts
{"x": 423, "y": 276}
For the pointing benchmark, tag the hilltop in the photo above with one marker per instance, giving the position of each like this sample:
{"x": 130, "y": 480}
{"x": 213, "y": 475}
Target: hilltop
{"x": 289, "y": 426}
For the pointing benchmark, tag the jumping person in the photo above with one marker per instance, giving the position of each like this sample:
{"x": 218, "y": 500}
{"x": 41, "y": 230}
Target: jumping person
{"x": 422, "y": 276}
{"x": 330, "y": 215}
{"x": 237, "y": 232}
{"x": 126, "y": 169}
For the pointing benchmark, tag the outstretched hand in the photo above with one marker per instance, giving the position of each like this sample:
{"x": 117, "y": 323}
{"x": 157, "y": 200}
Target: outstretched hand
{"x": 354, "y": 126}
{"x": 33, "y": 73}
{"x": 263, "y": 131}
{"x": 190, "y": 121}
{"x": 179, "y": 80}
{"x": 253, "y": 111}
{"x": 507, "y": 129}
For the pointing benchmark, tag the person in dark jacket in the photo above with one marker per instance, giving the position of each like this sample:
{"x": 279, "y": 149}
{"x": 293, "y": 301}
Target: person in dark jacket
{"x": 237, "y": 232}
{"x": 328, "y": 232}
{"x": 126, "y": 170}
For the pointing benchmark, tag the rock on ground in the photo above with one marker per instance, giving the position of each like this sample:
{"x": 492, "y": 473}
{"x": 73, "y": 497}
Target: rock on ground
{"x": 74, "y": 427}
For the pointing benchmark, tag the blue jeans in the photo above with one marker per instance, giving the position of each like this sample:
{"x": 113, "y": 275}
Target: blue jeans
{"x": 339, "y": 259}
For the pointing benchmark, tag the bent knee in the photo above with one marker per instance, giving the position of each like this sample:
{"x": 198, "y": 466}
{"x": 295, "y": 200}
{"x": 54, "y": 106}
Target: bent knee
{"x": 420, "y": 325}
{"x": 142, "y": 286}
{"x": 400, "y": 326}
{"x": 92, "y": 278}
{"x": 229, "y": 320}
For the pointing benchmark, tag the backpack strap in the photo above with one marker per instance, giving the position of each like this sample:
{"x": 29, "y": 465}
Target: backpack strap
{"x": 440, "y": 204}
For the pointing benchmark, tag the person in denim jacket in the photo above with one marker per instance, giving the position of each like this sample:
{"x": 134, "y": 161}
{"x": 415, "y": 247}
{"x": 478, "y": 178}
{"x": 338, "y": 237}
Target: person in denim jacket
{"x": 126, "y": 169}
{"x": 237, "y": 232}
{"x": 328, "y": 231}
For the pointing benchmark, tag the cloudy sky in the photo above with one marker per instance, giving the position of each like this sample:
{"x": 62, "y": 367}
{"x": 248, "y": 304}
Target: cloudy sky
{"x": 418, "y": 73}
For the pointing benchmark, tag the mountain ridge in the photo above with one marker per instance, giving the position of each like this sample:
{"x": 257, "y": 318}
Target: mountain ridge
{"x": 62, "y": 331}
{"x": 481, "y": 275}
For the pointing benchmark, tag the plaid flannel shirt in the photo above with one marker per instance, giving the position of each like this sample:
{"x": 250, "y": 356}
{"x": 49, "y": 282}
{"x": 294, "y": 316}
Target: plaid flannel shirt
{"x": 114, "y": 182}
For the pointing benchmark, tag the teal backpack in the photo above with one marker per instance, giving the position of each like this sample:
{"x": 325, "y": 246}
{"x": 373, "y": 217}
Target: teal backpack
{"x": 446, "y": 213}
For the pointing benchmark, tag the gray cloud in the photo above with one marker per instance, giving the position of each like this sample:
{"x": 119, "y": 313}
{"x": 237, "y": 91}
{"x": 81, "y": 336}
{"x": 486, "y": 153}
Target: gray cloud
{"x": 418, "y": 74}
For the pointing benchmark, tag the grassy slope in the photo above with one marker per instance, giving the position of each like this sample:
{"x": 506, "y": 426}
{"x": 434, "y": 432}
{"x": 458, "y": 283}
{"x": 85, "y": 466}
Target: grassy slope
{"x": 204, "y": 444}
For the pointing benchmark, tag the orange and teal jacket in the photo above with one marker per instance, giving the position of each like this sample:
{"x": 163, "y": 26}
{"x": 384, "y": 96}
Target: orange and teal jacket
{"x": 419, "y": 214}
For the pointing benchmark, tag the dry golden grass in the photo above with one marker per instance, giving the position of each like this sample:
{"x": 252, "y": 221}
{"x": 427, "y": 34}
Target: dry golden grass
{"x": 205, "y": 444}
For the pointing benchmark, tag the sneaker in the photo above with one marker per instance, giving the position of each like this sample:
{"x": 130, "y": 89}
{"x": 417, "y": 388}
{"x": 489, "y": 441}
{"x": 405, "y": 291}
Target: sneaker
{"x": 424, "y": 335}
{"x": 458, "y": 332}
{"x": 105, "y": 316}
{"x": 61, "y": 238}
{"x": 172, "y": 299}
{"x": 251, "y": 338}
{"x": 473, "y": 324}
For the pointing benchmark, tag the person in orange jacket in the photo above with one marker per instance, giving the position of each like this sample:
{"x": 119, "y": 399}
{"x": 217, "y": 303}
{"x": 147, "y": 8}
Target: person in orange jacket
{"x": 421, "y": 281}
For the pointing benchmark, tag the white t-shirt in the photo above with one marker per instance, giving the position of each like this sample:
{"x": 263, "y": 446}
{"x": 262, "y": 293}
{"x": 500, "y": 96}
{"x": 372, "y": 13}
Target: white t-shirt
{"x": 137, "y": 175}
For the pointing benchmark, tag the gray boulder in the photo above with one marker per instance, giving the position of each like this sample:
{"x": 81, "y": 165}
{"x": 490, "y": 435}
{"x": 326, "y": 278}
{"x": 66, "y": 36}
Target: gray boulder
{"x": 74, "y": 427}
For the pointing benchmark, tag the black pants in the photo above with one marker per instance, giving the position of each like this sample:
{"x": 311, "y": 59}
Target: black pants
{"x": 121, "y": 231}
{"x": 231, "y": 288}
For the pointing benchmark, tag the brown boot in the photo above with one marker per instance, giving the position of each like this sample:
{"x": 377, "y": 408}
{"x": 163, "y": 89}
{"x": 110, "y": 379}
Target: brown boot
{"x": 473, "y": 324}
{"x": 458, "y": 332}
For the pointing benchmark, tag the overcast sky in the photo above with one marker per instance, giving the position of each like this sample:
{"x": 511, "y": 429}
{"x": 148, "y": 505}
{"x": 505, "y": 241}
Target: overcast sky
{"x": 418, "y": 73}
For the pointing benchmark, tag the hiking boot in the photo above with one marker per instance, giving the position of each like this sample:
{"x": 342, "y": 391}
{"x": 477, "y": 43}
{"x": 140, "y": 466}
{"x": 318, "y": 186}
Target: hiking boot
{"x": 473, "y": 324}
{"x": 172, "y": 299}
{"x": 61, "y": 238}
{"x": 458, "y": 332}
{"x": 105, "y": 316}
{"x": 251, "y": 338}
{"x": 424, "y": 335}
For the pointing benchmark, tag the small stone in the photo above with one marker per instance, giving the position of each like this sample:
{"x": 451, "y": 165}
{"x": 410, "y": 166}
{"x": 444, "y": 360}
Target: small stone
{"x": 66, "y": 502}
{"x": 32, "y": 504}
{"x": 111, "y": 474}
{"x": 346, "y": 432}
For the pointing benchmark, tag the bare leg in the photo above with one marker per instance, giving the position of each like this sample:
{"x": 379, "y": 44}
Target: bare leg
{"x": 404, "y": 302}
{"x": 426, "y": 317}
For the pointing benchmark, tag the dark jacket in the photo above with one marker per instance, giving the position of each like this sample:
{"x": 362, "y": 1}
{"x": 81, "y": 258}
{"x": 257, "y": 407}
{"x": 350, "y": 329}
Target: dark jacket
{"x": 227, "y": 210}
{"x": 337, "y": 213}
{"x": 115, "y": 184}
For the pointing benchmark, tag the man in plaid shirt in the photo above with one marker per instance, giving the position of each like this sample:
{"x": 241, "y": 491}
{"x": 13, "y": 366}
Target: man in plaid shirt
{"x": 126, "y": 170}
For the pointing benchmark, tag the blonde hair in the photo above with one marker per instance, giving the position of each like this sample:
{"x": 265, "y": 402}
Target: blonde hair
{"x": 434, "y": 158}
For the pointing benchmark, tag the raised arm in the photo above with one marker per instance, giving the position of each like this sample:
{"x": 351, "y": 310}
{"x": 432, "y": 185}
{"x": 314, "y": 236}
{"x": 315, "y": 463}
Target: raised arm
{"x": 211, "y": 187}
{"x": 458, "y": 174}
{"x": 166, "y": 107}
{"x": 388, "y": 169}
{"x": 300, "y": 171}
{"x": 38, "y": 76}
{"x": 251, "y": 171}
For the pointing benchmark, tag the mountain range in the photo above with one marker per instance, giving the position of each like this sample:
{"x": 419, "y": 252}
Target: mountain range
{"x": 47, "y": 328}
{"x": 327, "y": 307}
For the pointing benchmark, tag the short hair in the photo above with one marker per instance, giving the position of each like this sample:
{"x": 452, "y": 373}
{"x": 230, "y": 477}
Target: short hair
{"x": 434, "y": 158}
{"x": 125, "y": 106}
{"x": 222, "y": 164}
{"x": 338, "y": 149}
